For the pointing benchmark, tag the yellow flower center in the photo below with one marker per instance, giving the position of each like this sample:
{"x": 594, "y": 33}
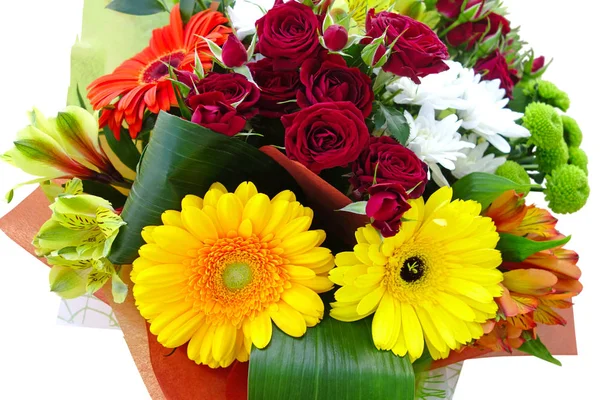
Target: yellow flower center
{"x": 235, "y": 278}
{"x": 414, "y": 271}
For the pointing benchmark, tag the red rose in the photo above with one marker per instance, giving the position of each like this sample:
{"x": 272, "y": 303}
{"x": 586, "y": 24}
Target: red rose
{"x": 538, "y": 64}
{"x": 493, "y": 67}
{"x": 471, "y": 32}
{"x": 451, "y": 8}
{"x": 234, "y": 53}
{"x": 277, "y": 88}
{"x": 236, "y": 88}
{"x": 394, "y": 164}
{"x": 332, "y": 80}
{"x": 335, "y": 37}
{"x": 387, "y": 205}
{"x": 288, "y": 35}
{"x": 212, "y": 111}
{"x": 325, "y": 135}
{"x": 418, "y": 51}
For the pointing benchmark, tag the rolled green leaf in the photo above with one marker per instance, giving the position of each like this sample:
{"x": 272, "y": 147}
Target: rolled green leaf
{"x": 184, "y": 158}
{"x": 333, "y": 360}
{"x": 483, "y": 188}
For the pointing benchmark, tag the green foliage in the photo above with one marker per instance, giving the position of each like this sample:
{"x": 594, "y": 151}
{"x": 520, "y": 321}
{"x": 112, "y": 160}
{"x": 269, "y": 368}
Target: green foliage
{"x": 550, "y": 159}
{"x": 137, "y": 7}
{"x": 484, "y": 188}
{"x": 124, "y": 148}
{"x": 535, "y": 347}
{"x": 333, "y": 360}
{"x": 393, "y": 121}
{"x": 517, "y": 248}
{"x": 515, "y": 172}
{"x": 571, "y": 131}
{"x": 567, "y": 189}
{"x": 184, "y": 158}
{"x": 186, "y": 8}
{"x": 544, "y": 124}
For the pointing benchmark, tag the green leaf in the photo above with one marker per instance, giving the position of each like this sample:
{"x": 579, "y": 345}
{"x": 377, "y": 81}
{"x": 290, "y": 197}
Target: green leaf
{"x": 483, "y": 188}
{"x": 535, "y": 347}
{"x": 518, "y": 248}
{"x": 358, "y": 207}
{"x": 137, "y": 7}
{"x": 185, "y": 158}
{"x": 333, "y": 360}
{"x": 81, "y": 99}
{"x": 395, "y": 122}
{"x": 186, "y": 8}
{"x": 124, "y": 148}
{"x": 107, "y": 192}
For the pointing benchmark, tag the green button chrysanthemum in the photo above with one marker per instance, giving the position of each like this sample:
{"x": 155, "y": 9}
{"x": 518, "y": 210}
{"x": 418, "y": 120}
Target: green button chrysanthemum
{"x": 578, "y": 158}
{"x": 515, "y": 172}
{"x": 544, "y": 124}
{"x": 550, "y": 159}
{"x": 572, "y": 132}
{"x": 547, "y": 92}
{"x": 567, "y": 189}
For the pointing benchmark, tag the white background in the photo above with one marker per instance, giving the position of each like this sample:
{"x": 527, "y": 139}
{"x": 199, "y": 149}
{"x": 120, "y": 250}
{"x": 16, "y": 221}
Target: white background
{"x": 39, "y": 359}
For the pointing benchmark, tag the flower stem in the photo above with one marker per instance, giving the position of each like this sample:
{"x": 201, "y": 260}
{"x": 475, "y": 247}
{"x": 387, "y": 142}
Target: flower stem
{"x": 537, "y": 188}
{"x": 531, "y": 167}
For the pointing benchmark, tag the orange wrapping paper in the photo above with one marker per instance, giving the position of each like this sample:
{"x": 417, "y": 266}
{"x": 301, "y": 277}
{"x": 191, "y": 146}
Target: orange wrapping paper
{"x": 175, "y": 377}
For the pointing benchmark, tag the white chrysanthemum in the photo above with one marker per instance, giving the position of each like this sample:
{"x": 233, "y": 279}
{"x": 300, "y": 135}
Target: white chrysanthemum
{"x": 488, "y": 116}
{"x": 481, "y": 105}
{"x": 436, "y": 142}
{"x": 245, "y": 13}
{"x": 475, "y": 160}
{"x": 441, "y": 91}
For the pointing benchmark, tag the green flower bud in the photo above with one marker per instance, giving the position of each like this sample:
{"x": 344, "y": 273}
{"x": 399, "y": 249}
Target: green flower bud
{"x": 548, "y": 93}
{"x": 571, "y": 131}
{"x": 578, "y": 158}
{"x": 515, "y": 172}
{"x": 544, "y": 124}
{"x": 550, "y": 159}
{"x": 567, "y": 189}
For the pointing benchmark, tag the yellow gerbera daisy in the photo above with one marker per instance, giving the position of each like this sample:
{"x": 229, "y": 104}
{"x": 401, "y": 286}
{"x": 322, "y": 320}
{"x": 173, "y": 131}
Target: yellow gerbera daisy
{"x": 433, "y": 282}
{"x": 217, "y": 273}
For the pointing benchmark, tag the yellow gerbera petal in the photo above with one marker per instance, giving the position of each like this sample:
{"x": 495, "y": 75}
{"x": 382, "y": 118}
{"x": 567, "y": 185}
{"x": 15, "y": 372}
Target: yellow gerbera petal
{"x": 386, "y": 324}
{"x": 261, "y": 329}
{"x": 175, "y": 239}
{"x": 198, "y": 224}
{"x": 171, "y": 217}
{"x": 288, "y": 320}
{"x": 191, "y": 201}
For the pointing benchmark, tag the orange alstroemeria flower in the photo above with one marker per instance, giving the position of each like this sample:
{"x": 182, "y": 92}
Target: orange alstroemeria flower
{"x": 141, "y": 83}
{"x": 544, "y": 281}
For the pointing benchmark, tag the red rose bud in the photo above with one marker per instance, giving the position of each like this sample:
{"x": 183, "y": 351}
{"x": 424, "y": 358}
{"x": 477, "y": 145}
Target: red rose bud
{"x": 212, "y": 112}
{"x": 495, "y": 66}
{"x": 234, "y": 53}
{"x": 538, "y": 64}
{"x": 387, "y": 205}
{"x": 393, "y": 163}
{"x": 325, "y": 135}
{"x": 451, "y": 8}
{"x": 471, "y": 32}
{"x": 336, "y": 37}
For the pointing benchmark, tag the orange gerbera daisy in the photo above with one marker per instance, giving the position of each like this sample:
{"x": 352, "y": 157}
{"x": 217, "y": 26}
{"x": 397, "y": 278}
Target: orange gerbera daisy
{"x": 142, "y": 82}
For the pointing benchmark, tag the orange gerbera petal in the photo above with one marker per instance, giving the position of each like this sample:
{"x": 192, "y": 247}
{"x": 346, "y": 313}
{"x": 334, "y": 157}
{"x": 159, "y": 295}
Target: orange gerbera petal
{"x": 141, "y": 83}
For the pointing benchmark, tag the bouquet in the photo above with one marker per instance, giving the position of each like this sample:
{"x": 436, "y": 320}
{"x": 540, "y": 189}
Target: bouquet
{"x": 322, "y": 199}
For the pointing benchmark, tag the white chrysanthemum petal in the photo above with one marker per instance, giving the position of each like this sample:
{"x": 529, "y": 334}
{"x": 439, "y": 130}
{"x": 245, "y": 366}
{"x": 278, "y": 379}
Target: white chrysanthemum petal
{"x": 475, "y": 160}
{"x": 245, "y": 13}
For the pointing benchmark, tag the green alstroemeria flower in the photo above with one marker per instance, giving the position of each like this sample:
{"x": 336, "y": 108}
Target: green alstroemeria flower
{"x": 76, "y": 241}
{"x": 66, "y": 146}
